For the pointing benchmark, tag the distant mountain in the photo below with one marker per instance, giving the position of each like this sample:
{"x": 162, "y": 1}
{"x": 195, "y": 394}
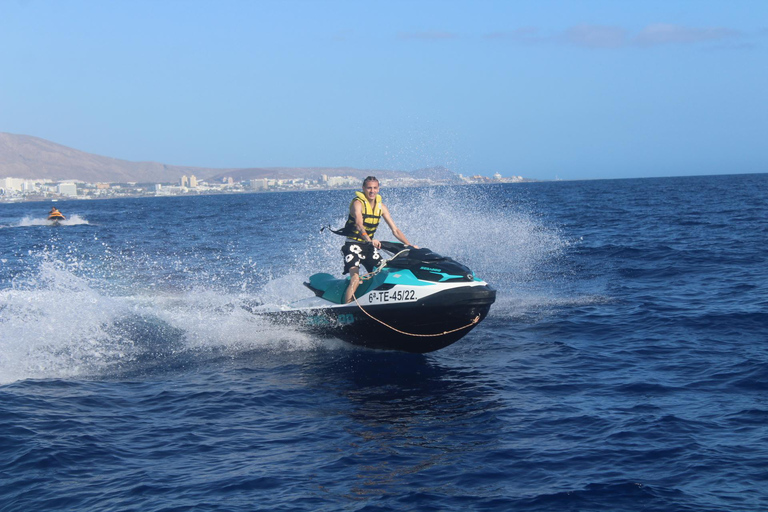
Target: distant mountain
{"x": 27, "y": 157}
{"x": 24, "y": 156}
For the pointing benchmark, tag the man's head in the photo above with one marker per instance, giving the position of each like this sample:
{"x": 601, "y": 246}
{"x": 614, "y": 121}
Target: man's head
{"x": 370, "y": 187}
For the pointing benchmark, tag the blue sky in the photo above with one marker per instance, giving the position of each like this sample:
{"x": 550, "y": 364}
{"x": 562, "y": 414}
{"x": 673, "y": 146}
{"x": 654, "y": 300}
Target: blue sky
{"x": 543, "y": 89}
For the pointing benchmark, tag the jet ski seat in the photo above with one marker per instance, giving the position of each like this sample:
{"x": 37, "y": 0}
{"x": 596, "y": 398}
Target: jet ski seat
{"x": 332, "y": 288}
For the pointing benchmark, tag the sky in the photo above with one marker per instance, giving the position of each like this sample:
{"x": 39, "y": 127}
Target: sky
{"x": 543, "y": 89}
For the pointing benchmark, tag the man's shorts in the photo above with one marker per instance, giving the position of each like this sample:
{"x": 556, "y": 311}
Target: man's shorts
{"x": 356, "y": 254}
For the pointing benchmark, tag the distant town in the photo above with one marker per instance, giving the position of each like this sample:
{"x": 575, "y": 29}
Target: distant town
{"x": 18, "y": 189}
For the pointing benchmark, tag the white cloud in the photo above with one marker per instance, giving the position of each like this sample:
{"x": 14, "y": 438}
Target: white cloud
{"x": 664, "y": 33}
{"x": 607, "y": 36}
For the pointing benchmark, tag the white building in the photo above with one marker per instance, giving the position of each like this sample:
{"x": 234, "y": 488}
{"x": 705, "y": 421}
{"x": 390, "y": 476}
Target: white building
{"x": 260, "y": 184}
{"x": 67, "y": 189}
{"x": 8, "y": 185}
{"x": 342, "y": 181}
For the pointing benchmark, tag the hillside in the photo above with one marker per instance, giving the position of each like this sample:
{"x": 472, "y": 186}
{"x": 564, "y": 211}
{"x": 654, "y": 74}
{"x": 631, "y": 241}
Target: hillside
{"x": 27, "y": 157}
{"x": 24, "y": 156}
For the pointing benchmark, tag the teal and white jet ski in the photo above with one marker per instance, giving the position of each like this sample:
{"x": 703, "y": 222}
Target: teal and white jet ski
{"x": 417, "y": 301}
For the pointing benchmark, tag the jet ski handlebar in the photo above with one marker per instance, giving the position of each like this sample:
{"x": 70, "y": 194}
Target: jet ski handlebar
{"x": 394, "y": 247}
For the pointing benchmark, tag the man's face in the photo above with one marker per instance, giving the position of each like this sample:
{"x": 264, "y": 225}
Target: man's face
{"x": 370, "y": 189}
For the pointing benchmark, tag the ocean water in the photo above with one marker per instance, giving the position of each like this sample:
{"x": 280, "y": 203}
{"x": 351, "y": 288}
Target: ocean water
{"x": 624, "y": 366}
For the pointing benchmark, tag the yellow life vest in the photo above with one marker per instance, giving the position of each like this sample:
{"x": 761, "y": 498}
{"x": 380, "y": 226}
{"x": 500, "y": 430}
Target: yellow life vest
{"x": 371, "y": 217}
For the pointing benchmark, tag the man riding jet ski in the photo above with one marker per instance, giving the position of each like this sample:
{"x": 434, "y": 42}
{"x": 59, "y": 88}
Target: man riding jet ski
{"x": 360, "y": 248}
{"x": 417, "y": 301}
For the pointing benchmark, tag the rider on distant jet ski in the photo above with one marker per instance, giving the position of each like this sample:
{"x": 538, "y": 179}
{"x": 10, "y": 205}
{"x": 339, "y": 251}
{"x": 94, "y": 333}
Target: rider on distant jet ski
{"x": 55, "y": 214}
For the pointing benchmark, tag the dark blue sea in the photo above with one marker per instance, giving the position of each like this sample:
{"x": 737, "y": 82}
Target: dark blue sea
{"x": 624, "y": 366}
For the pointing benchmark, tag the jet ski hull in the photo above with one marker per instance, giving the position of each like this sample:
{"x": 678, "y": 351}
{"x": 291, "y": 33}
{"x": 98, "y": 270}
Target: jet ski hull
{"x": 417, "y": 301}
{"x": 426, "y": 325}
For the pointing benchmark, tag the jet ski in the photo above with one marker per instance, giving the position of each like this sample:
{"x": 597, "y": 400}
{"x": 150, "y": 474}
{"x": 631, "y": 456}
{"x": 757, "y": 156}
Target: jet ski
{"x": 418, "y": 301}
{"x": 56, "y": 217}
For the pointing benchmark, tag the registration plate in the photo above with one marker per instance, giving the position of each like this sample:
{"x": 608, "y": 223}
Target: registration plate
{"x": 392, "y": 296}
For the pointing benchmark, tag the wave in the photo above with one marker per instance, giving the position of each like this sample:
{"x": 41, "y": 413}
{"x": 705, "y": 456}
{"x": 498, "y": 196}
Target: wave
{"x": 57, "y": 324}
{"x": 27, "y": 221}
